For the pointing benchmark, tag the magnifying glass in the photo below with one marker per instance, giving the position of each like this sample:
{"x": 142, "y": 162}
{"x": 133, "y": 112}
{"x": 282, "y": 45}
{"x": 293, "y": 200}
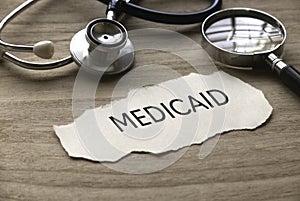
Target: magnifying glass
{"x": 244, "y": 38}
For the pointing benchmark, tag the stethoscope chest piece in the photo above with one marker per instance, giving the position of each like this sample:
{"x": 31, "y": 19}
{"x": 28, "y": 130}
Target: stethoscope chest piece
{"x": 103, "y": 46}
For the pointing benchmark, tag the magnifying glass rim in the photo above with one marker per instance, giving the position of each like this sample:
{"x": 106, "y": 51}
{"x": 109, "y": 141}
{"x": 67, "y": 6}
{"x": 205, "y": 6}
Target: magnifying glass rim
{"x": 249, "y": 10}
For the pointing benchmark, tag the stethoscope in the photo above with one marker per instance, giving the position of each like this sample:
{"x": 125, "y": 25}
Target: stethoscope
{"x": 104, "y": 42}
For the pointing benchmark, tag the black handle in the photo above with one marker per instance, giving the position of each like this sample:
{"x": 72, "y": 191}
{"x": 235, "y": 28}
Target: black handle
{"x": 291, "y": 77}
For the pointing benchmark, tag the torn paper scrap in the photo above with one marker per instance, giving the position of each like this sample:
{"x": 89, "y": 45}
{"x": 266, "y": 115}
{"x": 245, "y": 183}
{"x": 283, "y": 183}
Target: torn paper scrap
{"x": 164, "y": 117}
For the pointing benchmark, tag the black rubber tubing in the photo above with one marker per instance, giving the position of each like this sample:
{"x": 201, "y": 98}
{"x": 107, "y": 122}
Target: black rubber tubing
{"x": 159, "y": 16}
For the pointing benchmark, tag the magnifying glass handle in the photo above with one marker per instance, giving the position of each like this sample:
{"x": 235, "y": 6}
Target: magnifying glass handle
{"x": 291, "y": 77}
{"x": 288, "y": 74}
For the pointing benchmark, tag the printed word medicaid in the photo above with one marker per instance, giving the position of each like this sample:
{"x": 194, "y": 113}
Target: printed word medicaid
{"x": 157, "y": 113}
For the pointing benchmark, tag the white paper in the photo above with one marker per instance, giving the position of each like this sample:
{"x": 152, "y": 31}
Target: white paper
{"x": 110, "y": 132}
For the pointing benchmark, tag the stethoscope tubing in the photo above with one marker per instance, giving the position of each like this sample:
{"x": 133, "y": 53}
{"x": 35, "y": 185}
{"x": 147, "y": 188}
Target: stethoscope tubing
{"x": 165, "y": 17}
{"x": 10, "y": 17}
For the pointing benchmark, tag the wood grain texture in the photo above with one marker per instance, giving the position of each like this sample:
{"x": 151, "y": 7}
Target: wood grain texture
{"x": 263, "y": 164}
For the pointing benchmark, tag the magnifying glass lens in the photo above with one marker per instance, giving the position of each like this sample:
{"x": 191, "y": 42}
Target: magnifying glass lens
{"x": 244, "y": 35}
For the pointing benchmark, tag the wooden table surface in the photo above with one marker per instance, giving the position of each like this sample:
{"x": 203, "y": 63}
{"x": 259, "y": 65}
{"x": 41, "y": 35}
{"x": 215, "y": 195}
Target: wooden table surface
{"x": 263, "y": 164}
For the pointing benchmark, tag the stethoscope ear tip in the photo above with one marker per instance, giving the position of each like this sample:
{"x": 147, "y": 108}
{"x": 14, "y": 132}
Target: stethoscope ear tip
{"x": 44, "y": 49}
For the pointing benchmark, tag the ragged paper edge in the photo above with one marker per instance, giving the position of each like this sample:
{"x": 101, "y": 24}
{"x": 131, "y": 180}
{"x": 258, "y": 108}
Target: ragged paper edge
{"x": 77, "y": 150}
{"x": 82, "y": 154}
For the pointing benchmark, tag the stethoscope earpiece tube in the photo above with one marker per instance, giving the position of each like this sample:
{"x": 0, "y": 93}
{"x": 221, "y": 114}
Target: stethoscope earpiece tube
{"x": 163, "y": 17}
{"x": 42, "y": 49}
